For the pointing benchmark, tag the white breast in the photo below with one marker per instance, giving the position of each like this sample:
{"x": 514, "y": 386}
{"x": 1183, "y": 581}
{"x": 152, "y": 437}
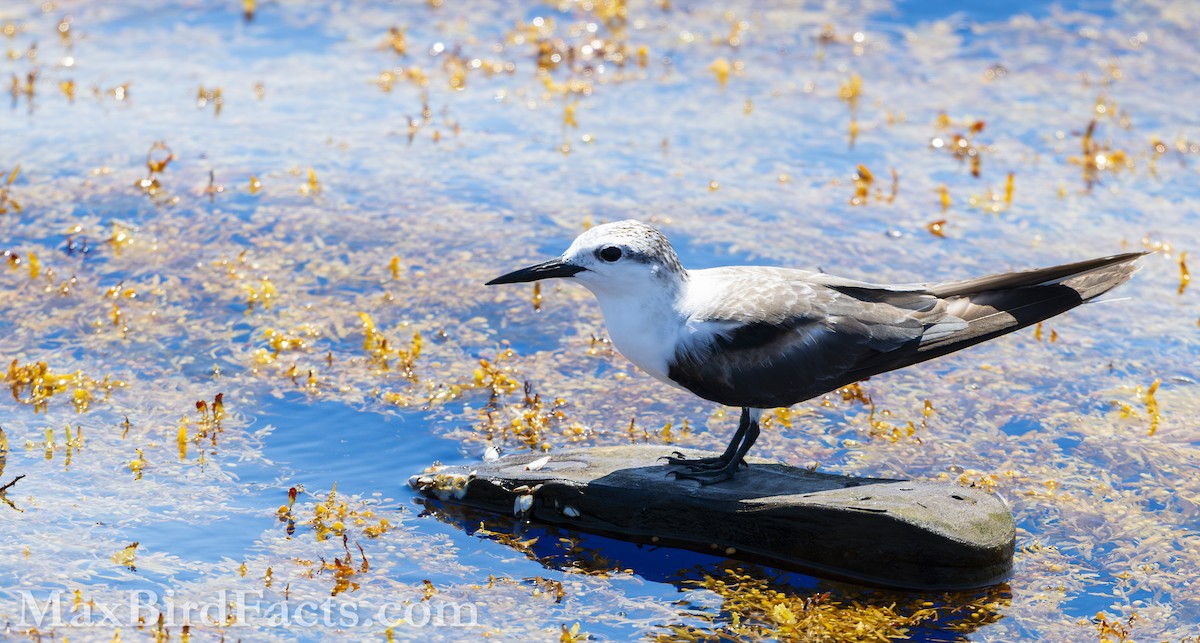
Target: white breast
{"x": 645, "y": 332}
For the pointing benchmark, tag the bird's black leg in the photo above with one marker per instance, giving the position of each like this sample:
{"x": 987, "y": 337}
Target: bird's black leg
{"x": 719, "y": 462}
{"x": 709, "y": 476}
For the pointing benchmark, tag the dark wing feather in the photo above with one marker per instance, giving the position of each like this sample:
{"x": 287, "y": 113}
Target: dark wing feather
{"x": 763, "y": 366}
{"x": 1074, "y": 272}
{"x": 1000, "y": 304}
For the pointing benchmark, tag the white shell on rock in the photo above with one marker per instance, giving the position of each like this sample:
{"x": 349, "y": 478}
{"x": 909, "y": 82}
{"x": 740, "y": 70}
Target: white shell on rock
{"x": 522, "y": 505}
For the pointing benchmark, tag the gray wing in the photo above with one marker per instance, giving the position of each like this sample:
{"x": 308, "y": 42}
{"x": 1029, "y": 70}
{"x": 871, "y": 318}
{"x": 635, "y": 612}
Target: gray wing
{"x": 785, "y": 336}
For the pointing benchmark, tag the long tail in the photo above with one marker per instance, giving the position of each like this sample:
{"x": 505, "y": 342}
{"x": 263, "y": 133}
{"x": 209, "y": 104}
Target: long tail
{"x": 999, "y": 304}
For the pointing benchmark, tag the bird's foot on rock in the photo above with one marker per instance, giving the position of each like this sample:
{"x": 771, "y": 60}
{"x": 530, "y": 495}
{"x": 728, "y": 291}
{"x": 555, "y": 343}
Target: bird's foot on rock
{"x": 706, "y": 477}
{"x": 677, "y": 459}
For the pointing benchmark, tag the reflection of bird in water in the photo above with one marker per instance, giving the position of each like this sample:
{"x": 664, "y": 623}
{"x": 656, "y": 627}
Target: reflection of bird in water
{"x": 762, "y": 337}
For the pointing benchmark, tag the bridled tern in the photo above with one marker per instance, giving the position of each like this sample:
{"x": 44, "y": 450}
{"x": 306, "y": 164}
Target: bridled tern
{"x": 761, "y": 337}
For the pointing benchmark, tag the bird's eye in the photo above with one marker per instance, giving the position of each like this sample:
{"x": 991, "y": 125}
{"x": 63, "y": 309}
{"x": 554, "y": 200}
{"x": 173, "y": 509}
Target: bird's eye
{"x": 610, "y": 253}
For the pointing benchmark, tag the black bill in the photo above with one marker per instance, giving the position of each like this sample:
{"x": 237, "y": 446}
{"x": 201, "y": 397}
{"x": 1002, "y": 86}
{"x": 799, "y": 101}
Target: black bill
{"x": 544, "y": 270}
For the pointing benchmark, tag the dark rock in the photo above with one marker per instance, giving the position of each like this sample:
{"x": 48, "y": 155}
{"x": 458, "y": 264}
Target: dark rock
{"x": 919, "y": 535}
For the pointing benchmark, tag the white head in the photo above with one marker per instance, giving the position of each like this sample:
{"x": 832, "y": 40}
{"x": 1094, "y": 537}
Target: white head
{"x": 614, "y": 259}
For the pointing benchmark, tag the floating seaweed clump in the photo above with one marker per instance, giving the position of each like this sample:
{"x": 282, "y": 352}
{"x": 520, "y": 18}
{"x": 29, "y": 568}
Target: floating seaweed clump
{"x": 334, "y": 516}
{"x": 208, "y": 425}
{"x": 34, "y": 384}
{"x": 530, "y": 421}
{"x": 961, "y": 146}
{"x": 752, "y": 608}
{"x": 344, "y": 570}
{"x": 385, "y": 356}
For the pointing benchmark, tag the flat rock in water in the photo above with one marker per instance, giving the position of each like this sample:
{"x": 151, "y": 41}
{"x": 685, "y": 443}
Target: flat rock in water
{"x": 919, "y": 535}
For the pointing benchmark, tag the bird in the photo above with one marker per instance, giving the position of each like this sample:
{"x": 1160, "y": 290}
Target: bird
{"x": 762, "y": 337}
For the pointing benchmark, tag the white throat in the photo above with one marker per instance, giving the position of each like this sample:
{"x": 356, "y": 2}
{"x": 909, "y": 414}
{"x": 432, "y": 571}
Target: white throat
{"x": 645, "y": 325}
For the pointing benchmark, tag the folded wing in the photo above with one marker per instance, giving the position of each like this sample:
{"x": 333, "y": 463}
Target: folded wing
{"x": 770, "y": 337}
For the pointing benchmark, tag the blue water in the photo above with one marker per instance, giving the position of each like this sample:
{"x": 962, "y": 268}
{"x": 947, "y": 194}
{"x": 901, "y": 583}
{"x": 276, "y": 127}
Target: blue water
{"x": 460, "y": 208}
